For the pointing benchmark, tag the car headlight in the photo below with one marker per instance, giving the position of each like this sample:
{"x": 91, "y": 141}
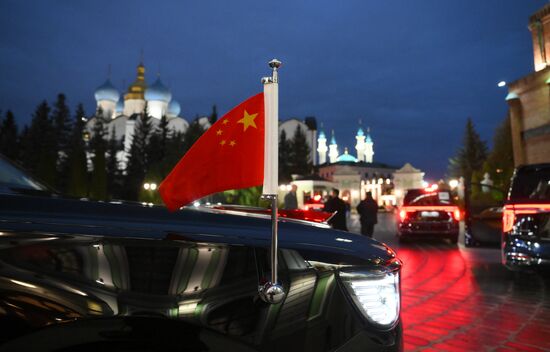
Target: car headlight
{"x": 375, "y": 294}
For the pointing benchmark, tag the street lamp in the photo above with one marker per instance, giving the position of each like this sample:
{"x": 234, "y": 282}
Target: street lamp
{"x": 146, "y": 186}
{"x": 453, "y": 184}
{"x": 501, "y": 84}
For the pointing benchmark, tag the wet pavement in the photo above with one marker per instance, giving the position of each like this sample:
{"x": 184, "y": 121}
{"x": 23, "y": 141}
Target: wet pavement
{"x": 462, "y": 299}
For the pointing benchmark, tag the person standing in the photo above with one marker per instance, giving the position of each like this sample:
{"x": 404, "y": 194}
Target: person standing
{"x": 291, "y": 201}
{"x": 335, "y": 204}
{"x": 368, "y": 213}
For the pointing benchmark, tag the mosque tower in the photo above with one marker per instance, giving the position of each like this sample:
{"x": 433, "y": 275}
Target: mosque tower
{"x": 333, "y": 149}
{"x": 107, "y": 97}
{"x": 134, "y": 100}
{"x": 322, "y": 147}
{"x": 360, "y": 146}
{"x": 369, "y": 148}
{"x": 158, "y": 96}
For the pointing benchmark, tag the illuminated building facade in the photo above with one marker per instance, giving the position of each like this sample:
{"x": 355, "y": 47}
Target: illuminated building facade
{"x": 529, "y": 98}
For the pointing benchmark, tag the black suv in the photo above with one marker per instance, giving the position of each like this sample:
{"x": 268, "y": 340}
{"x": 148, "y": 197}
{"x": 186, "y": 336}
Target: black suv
{"x": 526, "y": 219}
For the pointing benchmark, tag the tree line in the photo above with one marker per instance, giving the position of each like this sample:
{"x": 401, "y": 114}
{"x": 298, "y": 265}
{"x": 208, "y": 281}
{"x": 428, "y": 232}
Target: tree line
{"x": 57, "y": 148}
{"x": 474, "y": 159}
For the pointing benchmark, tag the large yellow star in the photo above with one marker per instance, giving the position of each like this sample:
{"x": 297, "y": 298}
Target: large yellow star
{"x": 248, "y": 120}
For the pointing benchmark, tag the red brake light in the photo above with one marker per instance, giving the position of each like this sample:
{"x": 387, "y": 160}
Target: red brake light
{"x": 402, "y": 215}
{"x": 511, "y": 210}
{"x": 508, "y": 218}
{"x": 456, "y": 214}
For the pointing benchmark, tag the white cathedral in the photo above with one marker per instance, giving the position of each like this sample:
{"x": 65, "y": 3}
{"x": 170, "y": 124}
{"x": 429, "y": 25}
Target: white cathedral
{"x": 120, "y": 113}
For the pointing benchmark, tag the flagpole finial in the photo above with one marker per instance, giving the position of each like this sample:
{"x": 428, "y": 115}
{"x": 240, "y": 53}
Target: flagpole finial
{"x": 275, "y": 65}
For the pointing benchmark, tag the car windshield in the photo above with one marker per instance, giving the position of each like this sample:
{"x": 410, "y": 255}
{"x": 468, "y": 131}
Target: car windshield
{"x": 13, "y": 177}
{"x": 421, "y": 197}
{"x": 531, "y": 184}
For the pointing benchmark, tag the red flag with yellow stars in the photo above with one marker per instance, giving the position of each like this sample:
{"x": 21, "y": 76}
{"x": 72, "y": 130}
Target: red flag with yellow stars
{"x": 229, "y": 155}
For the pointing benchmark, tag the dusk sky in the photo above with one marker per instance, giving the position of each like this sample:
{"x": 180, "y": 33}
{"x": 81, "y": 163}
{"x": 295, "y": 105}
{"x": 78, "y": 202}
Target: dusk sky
{"x": 411, "y": 70}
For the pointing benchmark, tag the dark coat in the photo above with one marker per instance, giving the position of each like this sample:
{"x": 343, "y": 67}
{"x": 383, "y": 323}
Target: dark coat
{"x": 368, "y": 211}
{"x": 338, "y": 221}
{"x": 291, "y": 202}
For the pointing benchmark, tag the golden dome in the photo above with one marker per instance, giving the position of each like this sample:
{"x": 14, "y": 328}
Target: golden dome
{"x": 137, "y": 89}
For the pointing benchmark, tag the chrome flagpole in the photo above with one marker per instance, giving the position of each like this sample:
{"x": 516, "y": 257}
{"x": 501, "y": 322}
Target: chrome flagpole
{"x": 272, "y": 291}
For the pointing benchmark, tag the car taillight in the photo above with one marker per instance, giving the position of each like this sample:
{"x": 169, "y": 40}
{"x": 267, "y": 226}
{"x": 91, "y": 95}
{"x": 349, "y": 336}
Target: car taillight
{"x": 456, "y": 214}
{"x": 508, "y": 218}
{"x": 511, "y": 210}
{"x": 403, "y": 215}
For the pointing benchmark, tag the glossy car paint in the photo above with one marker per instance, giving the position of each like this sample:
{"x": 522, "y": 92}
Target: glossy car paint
{"x": 115, "y": 276}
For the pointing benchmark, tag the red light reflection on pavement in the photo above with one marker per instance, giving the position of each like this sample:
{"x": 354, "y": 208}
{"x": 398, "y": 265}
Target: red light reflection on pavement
{"x": 448, "y": 306}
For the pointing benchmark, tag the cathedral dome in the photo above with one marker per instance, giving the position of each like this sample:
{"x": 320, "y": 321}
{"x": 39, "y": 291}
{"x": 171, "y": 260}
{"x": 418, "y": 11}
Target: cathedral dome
{"x": 158, "y": 91}
{"x": 174, "y": 108}
{"x": 107, "y": 91}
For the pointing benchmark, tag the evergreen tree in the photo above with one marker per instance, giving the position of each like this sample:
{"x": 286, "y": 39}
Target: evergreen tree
{"x": 284, "y": 158}
{"x": 61, "y": 121}
{"x": 38, "y": 153}
{"x": 214, "y": 115}
{"x": 8, "y": 136}
{"x": 114, "y": 181}
{"x": 192, "y": 134}
{"x": 76, "y": 165}
{"x": 500, "y": 163}
{"x": 299, "y": 160}
{"x": 98, "y": 146}
{"x": 138, "y": 162}
{"x": 470, "y": 156}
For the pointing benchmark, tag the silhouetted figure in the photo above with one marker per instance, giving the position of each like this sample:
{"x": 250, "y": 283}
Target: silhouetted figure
{"x": 368, "y": 212}
{"x": 291, "y": 202}
{"x": 335, "y": 204}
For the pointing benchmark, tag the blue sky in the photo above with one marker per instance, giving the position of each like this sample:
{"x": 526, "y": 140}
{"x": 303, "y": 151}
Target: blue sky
{"x": 411, "y": 70}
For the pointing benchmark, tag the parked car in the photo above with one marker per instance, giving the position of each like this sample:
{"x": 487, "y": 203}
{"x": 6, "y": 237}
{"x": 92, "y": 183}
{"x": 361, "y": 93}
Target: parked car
{"x": 526, "y": 219}
{"x": 484, "y": 228}
{"x": 428, "y": 213}
{"x": 82, "y": 275}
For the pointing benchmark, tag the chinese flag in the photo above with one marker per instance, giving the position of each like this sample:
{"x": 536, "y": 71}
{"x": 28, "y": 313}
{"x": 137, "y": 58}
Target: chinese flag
{"x": 229, "y": 155}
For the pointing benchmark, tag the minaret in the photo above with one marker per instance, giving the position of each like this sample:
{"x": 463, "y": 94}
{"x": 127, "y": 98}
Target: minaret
{"x": 322, "y": 147}
{"x": 369, "y": 147}
{"x": 360, "y": 146}
{"x": 333, "y": 149}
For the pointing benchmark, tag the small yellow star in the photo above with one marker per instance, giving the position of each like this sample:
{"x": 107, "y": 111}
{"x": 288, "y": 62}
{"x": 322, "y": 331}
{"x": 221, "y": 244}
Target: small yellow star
{"x": 232, "y": 143}
{"x": 222, "y": 142}
{"x": 225, "y": 122}
{"x": 248, "y": 120}
{"x": 219, "y": 132}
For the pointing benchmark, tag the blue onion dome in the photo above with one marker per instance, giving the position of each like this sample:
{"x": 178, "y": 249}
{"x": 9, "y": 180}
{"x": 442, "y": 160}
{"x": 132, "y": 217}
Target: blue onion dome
{"x": 360, "y": 132}
{"x": 346, "y": 157}
{"x": 332, "y": 140}
{"x": 158, "y": 91}
{"x": 322, "y": 134}
{"x": 107, "y": 91}
{"x": 368, "y": 139}
{"x": 174, "y": 108}
{"x": 119, "y": 106}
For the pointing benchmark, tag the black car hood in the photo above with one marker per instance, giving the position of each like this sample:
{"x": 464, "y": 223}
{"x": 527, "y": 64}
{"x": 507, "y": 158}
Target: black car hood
{"x": 71, "y": 216}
